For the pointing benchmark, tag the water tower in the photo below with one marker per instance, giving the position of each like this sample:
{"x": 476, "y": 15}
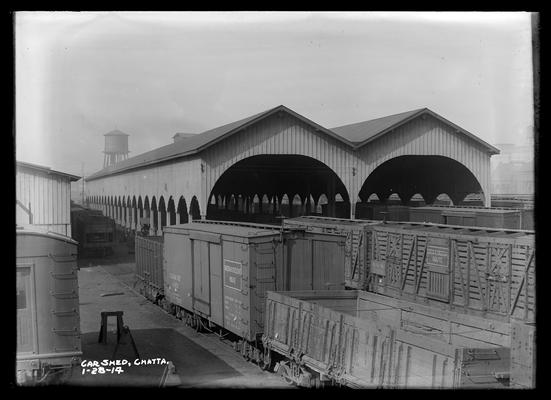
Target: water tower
{"x": 116, "y": 147}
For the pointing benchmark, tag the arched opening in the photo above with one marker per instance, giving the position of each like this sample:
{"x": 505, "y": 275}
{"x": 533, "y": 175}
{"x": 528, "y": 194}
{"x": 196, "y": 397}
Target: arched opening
{"x": 140, "y": 210}
{"x": 394, "y": 198}
{"x": 111, "y": 207}
{"x": 146, "y": 212}
{"x": 118, "y": 208}
{"x": 182, "y": 211}
{"x": 154, "y": 215}
{"x": 240, "y": 203}
{"x": 417, "y": 200}
{"x": 276, "y": 176}
{"x": 128, "y": 212}
{"x": 171, "y": 209}
{"x": 134, "y": 213}
{"x": 194, "y": 209}
{"x": 443, "y": 200}
{"x": 427, "y": 176}
{"x": 321, "y": 208}
{"x": 256, "y": 205}
{"x": 284, "y": 208}
{"x": 162, "y": 214}
{"x": 296, "y": 206}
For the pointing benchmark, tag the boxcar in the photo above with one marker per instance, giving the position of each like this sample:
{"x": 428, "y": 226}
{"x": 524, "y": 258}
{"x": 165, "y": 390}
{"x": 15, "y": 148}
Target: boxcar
{"x": 361, "y": 339}
{"x": 149, "y": 266}
{"x": 356, "y": 243}
{"x": 48, "y": 323}
{"x": 527, "y": 222}
{"x": 94, "y": 232}
{"x": 479, "y": 271}
{"x": 218, "y": 273}
{"x": 387, "y": 212}
{"x": 523, "y": 357}
{"x": 500, "y": 218}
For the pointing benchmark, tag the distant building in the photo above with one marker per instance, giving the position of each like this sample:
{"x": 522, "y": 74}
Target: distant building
{"x": 513, "y": 169}
{"x": 43, "y": 198}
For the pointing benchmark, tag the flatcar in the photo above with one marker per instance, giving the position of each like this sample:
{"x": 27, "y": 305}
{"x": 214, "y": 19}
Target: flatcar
{"x": 48, "y": 321}
{"x": 94, "y": 232}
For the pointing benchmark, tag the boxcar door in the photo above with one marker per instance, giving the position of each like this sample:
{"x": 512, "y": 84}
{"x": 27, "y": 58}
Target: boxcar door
{"x": 328, "y": 263}
{"x": 299, "y": 264}
{"x": 25, "y": 309}
{"x": 201, "y": 277}
{"x": 438, "y": 268}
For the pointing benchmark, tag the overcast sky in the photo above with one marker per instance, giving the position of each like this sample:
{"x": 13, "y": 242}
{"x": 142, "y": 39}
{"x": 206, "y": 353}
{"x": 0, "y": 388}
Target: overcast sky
{"x": 81, "y": 75}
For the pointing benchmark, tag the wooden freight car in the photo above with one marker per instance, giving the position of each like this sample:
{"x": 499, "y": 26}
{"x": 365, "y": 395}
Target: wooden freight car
{"x": 360, "y": 339}
{"x": 478, "y": 271}
{"x": 500, "y": 218}
{"x": 217, "y": 274}
{"x": 94, "y": 232}
{"x": 48, "y": 321}
{"x": 149, "y": 266}
{"x": 356, "y": 244}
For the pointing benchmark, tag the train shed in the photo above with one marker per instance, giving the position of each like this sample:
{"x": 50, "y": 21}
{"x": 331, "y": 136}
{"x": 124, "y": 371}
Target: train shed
{"x": 259, "y": 164}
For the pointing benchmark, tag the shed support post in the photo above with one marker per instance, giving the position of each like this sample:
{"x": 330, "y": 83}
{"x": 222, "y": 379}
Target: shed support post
{"x": 331, "y": 197}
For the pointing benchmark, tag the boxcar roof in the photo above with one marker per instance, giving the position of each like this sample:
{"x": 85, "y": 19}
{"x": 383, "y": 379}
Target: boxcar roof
{"x": 493, "y": 210}
{"x": 314, "y": 220}
{"x": 29, "y": 230}
{"x": 457, "y": 229}
{"x": 222, "y": 229}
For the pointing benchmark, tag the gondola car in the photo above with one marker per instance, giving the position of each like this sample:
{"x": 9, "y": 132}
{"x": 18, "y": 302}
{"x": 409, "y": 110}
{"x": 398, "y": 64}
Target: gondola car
{"x": 363, "y": 340}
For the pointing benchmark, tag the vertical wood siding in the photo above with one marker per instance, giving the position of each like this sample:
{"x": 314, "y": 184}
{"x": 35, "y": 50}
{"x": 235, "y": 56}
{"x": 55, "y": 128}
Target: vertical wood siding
{"x": 289, "y": 135}
{"x": 49, "y": 197}
{"x": 180, "y": 178}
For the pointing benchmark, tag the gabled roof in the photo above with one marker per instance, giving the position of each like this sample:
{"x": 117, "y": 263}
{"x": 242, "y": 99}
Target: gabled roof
{"x": 353, "y": 135}
{"x": 364, "y": 132}
{"x": 46, "y": 170}
{"x": 200, "y": 142}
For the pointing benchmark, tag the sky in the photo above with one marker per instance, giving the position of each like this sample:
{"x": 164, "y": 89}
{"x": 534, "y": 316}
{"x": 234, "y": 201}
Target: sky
{"x": 152, "y": 74}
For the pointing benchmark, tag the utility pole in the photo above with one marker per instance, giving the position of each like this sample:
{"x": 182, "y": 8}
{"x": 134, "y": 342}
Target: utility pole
{"x": 82, "y": 174}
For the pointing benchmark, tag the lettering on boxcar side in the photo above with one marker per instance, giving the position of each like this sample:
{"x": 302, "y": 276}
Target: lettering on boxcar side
{"x": 232, "y": 313}
{"x": 233, "y": 271}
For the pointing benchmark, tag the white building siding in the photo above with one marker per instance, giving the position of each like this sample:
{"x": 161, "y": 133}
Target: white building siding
{"x": 47, "y": 196}
{"x": 285, "y": 134}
